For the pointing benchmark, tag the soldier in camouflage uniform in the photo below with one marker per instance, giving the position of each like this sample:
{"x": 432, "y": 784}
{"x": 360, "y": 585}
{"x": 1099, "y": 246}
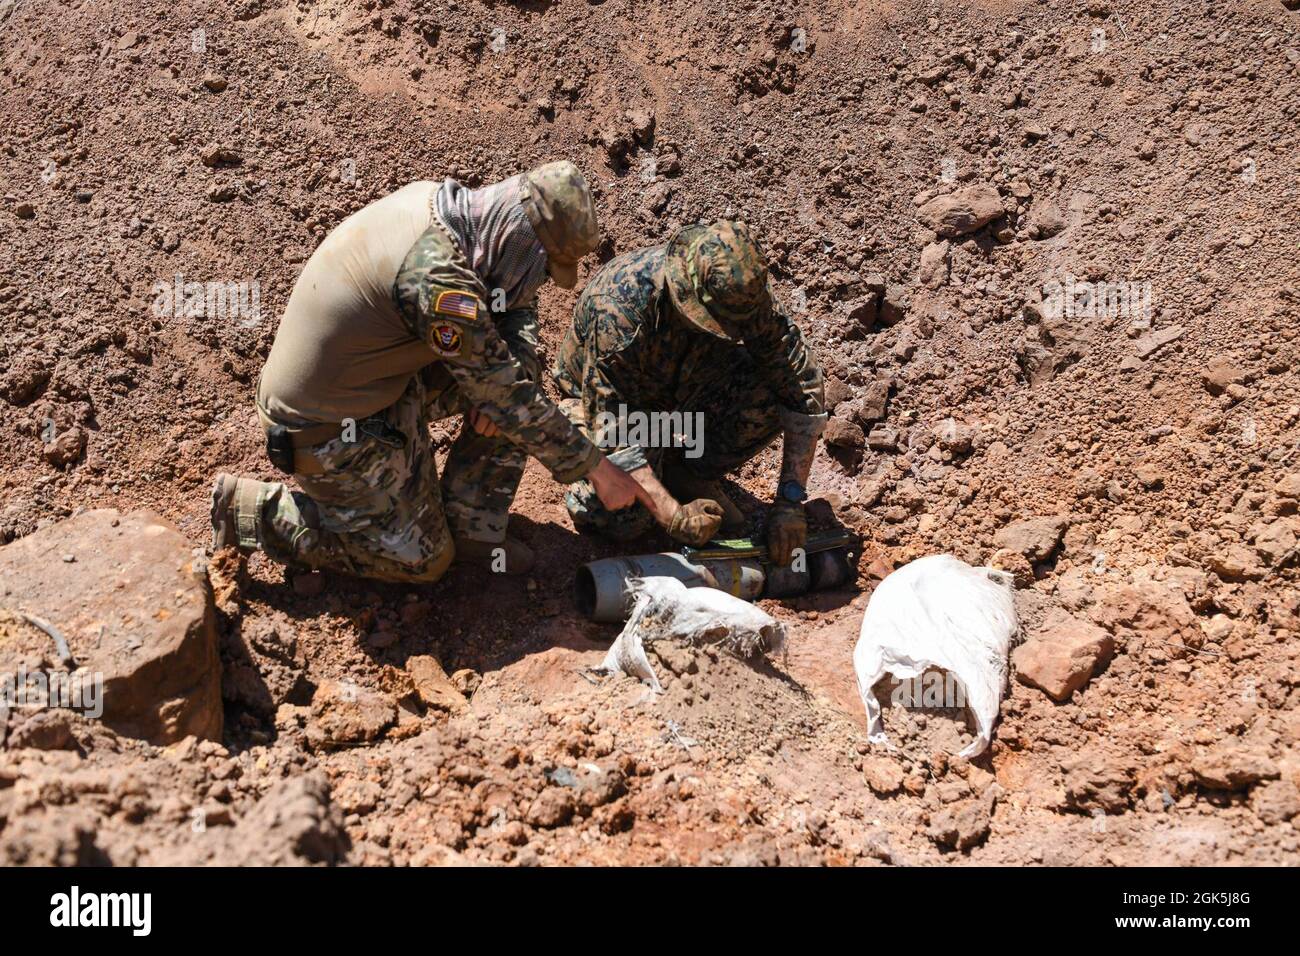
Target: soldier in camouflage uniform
{"x": 421, "y": 306}
{"x": 693, "y": 327}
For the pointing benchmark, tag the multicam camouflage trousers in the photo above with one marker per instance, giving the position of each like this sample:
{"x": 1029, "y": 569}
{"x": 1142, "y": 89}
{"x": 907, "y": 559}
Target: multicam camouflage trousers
{"x": 378, "y": 509}
{"x": 741, "y": 417}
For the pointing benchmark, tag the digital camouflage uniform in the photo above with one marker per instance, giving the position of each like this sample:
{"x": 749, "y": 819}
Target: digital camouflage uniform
{"x": 630, "y": 346}
{"x": 371, "y": 501}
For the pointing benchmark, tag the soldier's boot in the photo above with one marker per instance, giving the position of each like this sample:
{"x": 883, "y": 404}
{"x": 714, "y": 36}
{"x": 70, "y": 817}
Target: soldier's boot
{"x": 687, "y": 487}
{"x": 234, "y": 514}
{"x": 510, "y": 556}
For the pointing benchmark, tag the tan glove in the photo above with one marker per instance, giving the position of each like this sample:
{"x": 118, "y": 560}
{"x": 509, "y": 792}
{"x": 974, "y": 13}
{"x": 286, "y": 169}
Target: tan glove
{"x": 696, "y": 523}
{"x": 787, "y": 529}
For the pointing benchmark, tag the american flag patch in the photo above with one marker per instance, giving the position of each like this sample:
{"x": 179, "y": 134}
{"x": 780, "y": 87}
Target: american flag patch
{"x": 462, "y": 305}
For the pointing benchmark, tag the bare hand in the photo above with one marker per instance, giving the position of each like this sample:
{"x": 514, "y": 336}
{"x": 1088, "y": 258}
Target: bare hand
{"x": 480, "y": 422}
{"x": 615, "y": 487}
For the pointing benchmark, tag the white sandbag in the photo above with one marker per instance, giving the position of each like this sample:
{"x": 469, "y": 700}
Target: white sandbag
{"x": 665, "y": 609}
{"x": 939, "y": 612}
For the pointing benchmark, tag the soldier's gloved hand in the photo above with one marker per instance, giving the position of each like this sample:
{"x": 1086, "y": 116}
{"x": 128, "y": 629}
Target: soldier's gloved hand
{"x": 787, "y": 529}
{"x": 696, "y": 523}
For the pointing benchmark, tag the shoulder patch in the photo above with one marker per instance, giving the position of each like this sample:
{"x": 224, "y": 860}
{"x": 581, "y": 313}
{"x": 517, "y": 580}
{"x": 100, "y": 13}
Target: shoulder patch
{"x": 446, "y": 339}
{"x": 460, "y": 305}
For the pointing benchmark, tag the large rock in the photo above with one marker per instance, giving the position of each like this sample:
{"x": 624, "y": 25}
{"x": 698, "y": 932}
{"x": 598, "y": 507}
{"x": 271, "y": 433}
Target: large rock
{"x": 884, "y": 775}
{"x": 344, "y": 713}
{"x": 1063, "y": 656}
{"x": 1232, "y": 766}
{"x": 125, "y": 594}
{"x": 432, "y": 684}
{"x": 1035, "y": 538}
{"x": 1236, "y": 562}
{"x": 843, "y": 433}
{"x": 961, "y": 826}
{"x": 963, "y": 211}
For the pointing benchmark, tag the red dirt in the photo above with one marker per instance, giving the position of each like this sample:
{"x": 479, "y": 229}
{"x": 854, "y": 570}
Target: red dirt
{"x": 1166, "y": 145}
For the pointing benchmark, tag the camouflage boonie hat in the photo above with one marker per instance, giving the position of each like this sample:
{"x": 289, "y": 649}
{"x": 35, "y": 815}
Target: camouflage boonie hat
{"x": 717, "y": 277}
{"x": 560, "y": 207}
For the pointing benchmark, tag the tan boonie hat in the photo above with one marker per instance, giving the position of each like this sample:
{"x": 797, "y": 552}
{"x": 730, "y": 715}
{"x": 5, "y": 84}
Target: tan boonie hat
{"x": 560, "y": 207}
{"x": 717, "y": 277}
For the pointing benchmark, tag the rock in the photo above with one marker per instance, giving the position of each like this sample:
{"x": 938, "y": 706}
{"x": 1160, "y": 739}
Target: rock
{"x": 1149, "y": 475}
{"x": 25, "y": 210}
{"x": 882, "y": 774}
{"x": 961, "y": 826}
{"x": 963, "y": 211}
{"x": 344, "y": 713}
{"x": 843, "y": 433}
{"x": 642, "y": 122}
{"x": 875, "y": 401}
{"x": 894, "y": 305}
{"x": 553, "y": 807}
{"x": 954, "y": 436}
{"x": 65, "y": 839}
{"x": 24, "y": 379}
{"x": 1153, "y": 342}
{"x": 466, "y": 681}
{"x": 617, "y": 143}
{"x": 1276, "y": 801}
{"x": 933, "y": 270}
{"x": 1062, "y": 657}
{"x": 1237, "y": 562}
{"x": 214, "y": 82}
{"x": 1044, "y": 221}
{"x": 222, "y": 191}
{"x": 656, "y": 197}
{"x": 1035, "y": 538}
{"x": 1232, "y": 766}
{"x": 67, "y": 448}
{"x": 1220, "y": 373}
{"x": 1015, "y": 564}
{"x": 433, "y": 685}
{"x": 294, "y": 824}
{"x": 214, "y": 155}
{"x": 1097, "y": 781}
{"x": 45, "y": 730}
{"x": 837, "y": 391}
{"x": 133, "y": 607}
{"x": 1275, "y": 540}
{"x": 882, "y": 438}
{"x": 1288, "y": 486}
